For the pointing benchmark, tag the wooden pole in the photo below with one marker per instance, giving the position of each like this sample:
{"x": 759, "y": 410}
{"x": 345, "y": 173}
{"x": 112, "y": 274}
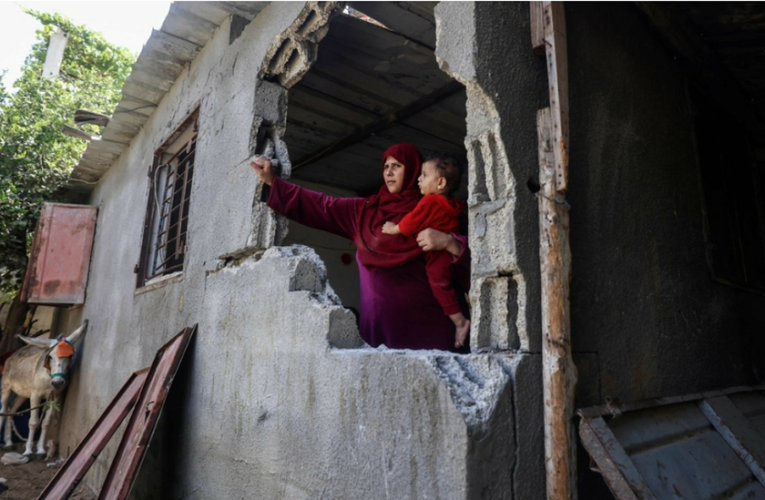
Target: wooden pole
{"x": 559, "y": 372}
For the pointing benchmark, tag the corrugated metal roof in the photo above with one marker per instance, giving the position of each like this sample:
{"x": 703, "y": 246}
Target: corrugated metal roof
{"x": 366, "y": 73}
{"x": 186, "y": 29}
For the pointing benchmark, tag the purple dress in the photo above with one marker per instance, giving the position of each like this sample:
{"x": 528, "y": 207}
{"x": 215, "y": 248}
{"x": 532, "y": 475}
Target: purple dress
{"x": 397, "y": 306}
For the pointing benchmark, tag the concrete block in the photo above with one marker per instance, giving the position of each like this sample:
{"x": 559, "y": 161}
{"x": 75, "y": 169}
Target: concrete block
{"x": 492, "y": 239}
{"x": 294, "y": 51}
{"x": 456, "y": 44}
{"x": 495, "y": 311}
{"x": 270, "y": 104}
{"x": 490, "y": 177}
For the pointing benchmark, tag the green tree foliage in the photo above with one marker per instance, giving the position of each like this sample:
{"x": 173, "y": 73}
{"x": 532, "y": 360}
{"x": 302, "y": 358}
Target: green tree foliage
{"x": 36, "y": 158}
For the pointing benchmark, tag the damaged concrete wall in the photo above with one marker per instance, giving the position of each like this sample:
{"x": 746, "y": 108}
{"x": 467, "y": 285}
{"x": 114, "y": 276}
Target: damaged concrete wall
{"x": 487, "y": 47}
{"x": 337, "y": 253}
{"x": 305, "y": 420}
{"x": 277, "y": 396}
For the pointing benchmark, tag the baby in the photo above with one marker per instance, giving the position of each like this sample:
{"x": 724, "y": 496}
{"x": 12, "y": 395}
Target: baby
{"x": 440, "y": 177}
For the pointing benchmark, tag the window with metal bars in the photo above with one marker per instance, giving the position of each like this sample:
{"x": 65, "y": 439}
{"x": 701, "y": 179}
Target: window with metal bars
{"x": 167, "y": 215}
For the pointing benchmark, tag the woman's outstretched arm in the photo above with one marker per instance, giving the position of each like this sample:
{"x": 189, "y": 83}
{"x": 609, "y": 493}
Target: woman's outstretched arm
{"x": 317, "y": 210}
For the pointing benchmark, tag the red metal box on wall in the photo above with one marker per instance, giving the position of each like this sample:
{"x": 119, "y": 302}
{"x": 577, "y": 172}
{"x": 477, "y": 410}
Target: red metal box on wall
{"x": 57, "y": 273}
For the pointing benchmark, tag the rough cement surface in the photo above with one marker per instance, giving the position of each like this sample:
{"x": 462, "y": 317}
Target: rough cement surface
{"x": 276, "y": 398}
{"x": 335, "y": 251}
{"x": 303, "y": 420}
{"x": 504, "y": 94}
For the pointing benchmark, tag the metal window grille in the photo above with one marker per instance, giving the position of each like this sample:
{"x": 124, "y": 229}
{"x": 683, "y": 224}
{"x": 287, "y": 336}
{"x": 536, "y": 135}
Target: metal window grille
{"x": 165, "y": 231}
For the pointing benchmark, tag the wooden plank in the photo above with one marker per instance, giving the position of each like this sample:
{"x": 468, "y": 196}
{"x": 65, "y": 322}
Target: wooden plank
{"x": 138, "y": 91}
{"x": 596, "y": 411}
{"x": 735, "y": 429}
{"x": 559, "y": 371}
{"x": 537, "y": 18}
{"x": 140, "y": 428}
{"x": 158, "y": 81}
{"x": 557, "y": 71}
{"x": 607, "y": 465}
{"x": 616, "y": 454}
{"x": 79, "y": 462}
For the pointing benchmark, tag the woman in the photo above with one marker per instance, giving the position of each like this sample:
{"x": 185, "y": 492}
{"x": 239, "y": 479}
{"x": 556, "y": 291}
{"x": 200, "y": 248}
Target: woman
{"x": 397, "y": 306}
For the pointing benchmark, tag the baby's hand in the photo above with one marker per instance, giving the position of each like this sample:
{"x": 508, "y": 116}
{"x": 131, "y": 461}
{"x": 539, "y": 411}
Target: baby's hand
{"x": 390, "y": 228}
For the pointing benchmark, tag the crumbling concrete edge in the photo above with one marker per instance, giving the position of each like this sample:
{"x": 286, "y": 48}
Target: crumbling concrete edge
{"x": 295, "y": 50}
{"x": 492, "y": 186}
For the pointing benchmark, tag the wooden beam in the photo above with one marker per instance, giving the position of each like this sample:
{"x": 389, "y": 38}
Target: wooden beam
{"x": 537, "y": 18}
{"x": 558, "y": 369}
{"x": 557, "y": 73}
{"x": 702, "y": 65}
{"x": 382, "y": 123}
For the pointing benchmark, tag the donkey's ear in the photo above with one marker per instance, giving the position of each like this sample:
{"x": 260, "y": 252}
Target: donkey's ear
{"x": 75, "y": 336}
{"x": 44, "y": 343}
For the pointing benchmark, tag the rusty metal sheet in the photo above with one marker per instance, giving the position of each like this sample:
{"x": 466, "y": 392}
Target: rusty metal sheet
{"x": 57, "y": 273}
{"x": 69, "y": 475}
{"x": 119, "y": 481}
{"x": 691, "y": 447}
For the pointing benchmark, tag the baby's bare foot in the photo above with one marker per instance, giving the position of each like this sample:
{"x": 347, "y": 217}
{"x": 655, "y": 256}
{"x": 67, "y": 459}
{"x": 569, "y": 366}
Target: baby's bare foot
{"x": 462, "y": 333}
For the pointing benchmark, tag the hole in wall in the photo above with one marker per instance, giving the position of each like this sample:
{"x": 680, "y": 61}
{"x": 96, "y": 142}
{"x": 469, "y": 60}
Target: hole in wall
{"x": 308, "y": 23}
{"x": 370, "y": 88}
{"x": 533, "y": 184}
{"x": 292, "y": 61}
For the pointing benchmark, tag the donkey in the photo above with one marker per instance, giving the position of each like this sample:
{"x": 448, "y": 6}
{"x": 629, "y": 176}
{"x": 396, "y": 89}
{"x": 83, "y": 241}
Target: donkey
{"x": 37, "y": 372}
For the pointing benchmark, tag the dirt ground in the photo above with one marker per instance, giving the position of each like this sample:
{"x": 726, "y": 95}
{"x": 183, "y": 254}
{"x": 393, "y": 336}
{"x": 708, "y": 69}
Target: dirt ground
{"x": 26, "y": 481}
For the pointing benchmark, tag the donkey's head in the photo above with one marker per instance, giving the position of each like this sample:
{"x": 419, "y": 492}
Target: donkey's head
{"x": 60, "y": 353}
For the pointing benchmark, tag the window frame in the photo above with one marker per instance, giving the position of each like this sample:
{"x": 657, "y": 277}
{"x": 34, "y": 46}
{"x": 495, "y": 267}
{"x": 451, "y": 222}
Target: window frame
{"x": 177, "y": 201}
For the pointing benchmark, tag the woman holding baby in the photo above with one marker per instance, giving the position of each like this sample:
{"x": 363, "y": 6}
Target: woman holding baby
{"x": 398, "y": 302}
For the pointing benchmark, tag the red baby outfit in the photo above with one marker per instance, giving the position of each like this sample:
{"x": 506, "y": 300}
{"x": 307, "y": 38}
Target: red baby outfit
{"x": 438, "y": 212}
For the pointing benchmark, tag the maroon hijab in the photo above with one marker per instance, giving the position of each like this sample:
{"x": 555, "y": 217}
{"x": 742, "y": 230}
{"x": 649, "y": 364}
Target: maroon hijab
{"x": 384, "y": 250}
